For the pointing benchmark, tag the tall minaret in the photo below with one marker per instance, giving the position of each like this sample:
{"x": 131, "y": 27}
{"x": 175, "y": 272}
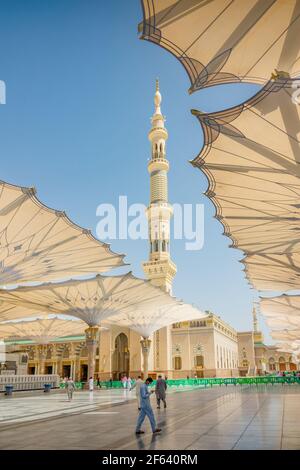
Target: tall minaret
{"x": 258, "y": 336}
{"x": 160, "y": 269}
{"x": 255, "y": 321}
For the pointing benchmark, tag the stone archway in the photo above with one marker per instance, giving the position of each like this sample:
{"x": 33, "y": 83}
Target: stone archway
{"x": 272, "y": 365}
{"x": 282, "y": 364}
{"x": 292, "y": 365}
{"x": 120, "y": 357}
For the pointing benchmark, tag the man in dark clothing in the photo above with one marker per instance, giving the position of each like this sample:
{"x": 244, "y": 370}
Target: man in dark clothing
{"x": 160, "y": 391}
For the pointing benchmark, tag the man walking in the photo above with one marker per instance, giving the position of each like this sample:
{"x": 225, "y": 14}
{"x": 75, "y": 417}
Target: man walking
{"x": 70, "y": 386}
{"x": 146, "y": 409}
{"x": 160, "y": 391}
{"x": 91, "y": 384}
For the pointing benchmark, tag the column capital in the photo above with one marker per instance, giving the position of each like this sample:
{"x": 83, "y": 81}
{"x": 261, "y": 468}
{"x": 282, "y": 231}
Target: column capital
{"x": 146, "y": 344}
{"x": 91, "y": 334}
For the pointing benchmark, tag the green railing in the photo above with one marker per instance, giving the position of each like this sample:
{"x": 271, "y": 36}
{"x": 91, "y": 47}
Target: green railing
{"x": 210, "y": 382}
{"x": 78, "y": 385}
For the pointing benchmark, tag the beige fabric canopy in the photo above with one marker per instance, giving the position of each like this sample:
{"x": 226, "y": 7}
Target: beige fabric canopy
{"x": 251, "y": 159}
{"x": 224, "y": 41}
{"x": 146, "y": 319}
{"x": 91, "y": 300}
{"x": 281, "y": 322}
{"x": 42, "y": 330}
{"x": 39, "y": 244}
{"x": 282, "y": 315}
{"x": 281, "y": 307}
{"x": 286, "y": 335}
{"x": 289, "y": 346}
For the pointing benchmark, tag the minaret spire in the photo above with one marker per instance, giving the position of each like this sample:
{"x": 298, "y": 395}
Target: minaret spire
{"x": 255, "y": 321}
{"x": 159, "y": 269}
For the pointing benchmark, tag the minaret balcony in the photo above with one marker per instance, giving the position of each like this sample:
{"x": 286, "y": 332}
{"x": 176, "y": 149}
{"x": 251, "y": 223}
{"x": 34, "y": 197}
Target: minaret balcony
{"x": 162, "y": 210}
{"x": 158, "y": 164}
{"x": 158, "y": 133}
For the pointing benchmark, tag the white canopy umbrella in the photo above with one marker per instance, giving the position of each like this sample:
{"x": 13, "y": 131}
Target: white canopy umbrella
{"x": 225, "y": 41}
{"x": 41, "y": 330}
{"x": 292, "y": 347}
{"x": 39, "y": 244}
{"x": 92, "y": 300}
{"x": 251, "y": 157}
{"x": 286, "y": 335}
{"x": 283, "y": 322}
{"x": 282, "y": 314}
{"x": 146, "y": 319}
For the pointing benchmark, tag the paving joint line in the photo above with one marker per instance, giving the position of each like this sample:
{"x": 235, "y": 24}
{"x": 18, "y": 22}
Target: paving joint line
{"x": 257, "y": 411}
{"x": 206, "y": 409}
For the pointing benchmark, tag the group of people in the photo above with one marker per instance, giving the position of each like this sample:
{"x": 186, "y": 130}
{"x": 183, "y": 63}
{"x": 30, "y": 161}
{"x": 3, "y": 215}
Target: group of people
{"x": 142, "y": 394}
{"x": 70, "y": 386}
{"x": 126, "y": 382}
{"x": 289, "y": 374}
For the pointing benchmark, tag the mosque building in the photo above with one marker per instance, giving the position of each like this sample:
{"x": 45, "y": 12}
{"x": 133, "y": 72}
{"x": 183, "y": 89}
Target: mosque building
{"x": 208, "y": 347}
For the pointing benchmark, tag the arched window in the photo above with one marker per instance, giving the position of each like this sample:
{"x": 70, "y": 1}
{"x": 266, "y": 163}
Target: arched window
{"x": 272, "y": 365}
{"x": 178, "y": 363}
{"x": 282, "y": 364}
{"x": 120, "y": 357}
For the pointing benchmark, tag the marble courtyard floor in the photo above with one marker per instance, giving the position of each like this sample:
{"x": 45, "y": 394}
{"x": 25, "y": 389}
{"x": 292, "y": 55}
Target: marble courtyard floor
{"x": 256, "y": 417}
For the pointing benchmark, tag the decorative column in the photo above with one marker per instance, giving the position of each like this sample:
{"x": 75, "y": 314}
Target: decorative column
{"x": 91, "y": 338}
{"x": 42, "y": 351}
{"x": 59, "y": 361}
{"x": 77, "y": 367}
{"x": 145, "y": 344}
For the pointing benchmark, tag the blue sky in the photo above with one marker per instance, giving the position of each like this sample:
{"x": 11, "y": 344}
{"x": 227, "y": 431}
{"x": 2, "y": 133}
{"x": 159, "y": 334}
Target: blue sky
{"x": 80, "y": 88}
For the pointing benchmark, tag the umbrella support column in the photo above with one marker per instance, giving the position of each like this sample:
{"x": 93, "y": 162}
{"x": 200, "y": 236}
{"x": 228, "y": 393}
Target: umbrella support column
{"x": 145, "y": 344}
{"x": 42, "y": 350}
{"x": 91, "y": 338}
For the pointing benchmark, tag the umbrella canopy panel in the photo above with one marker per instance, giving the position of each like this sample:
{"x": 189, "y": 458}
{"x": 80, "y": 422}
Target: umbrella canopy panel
{"x": 91, "y": 300}
{"x": 289, "y": 346}
{"x": 251, "y": 159}
{"x": 225, "y": 41}
{"x": 42, "y": 330}
{"x": 282, "y": 315}
{"x": 281, "y": 307}
{"x": 39, "y": 244}
{"x": 286, "y": 335}
{"x": 281, "y": 322}
{"x": 146, "y": 319}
